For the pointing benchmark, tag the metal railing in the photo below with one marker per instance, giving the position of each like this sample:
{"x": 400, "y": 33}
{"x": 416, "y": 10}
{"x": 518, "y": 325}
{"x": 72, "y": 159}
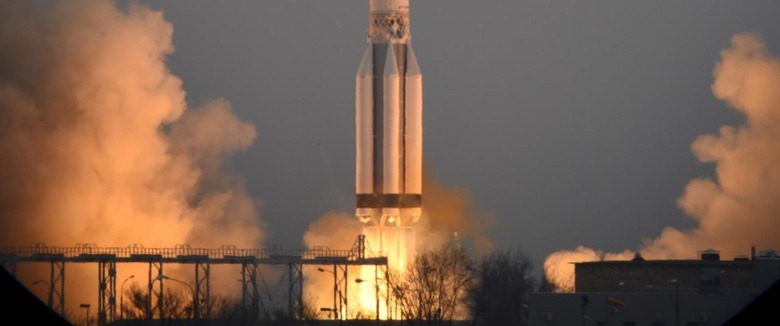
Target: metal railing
{"x": 225, "y": 252}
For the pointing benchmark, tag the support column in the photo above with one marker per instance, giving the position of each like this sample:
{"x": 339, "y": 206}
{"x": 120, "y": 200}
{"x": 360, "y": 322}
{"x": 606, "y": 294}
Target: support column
{"x": 106, "y": 291}
{"x": 57, "y": 279}
{"x": 250, "y": 296}
{"x": 342, "y": 283}
{"x": 387, "y": 294}
{"x": 158, "y": 266}
{"x": 202, "y": 290}
{"x": 295, "y": 290}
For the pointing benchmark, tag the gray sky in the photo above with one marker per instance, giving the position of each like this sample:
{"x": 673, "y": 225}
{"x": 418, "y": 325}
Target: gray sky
{"x": 571, "y": 122}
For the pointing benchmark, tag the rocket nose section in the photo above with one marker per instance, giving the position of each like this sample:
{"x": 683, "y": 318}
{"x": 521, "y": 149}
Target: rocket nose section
{"x": 366, "y": 67}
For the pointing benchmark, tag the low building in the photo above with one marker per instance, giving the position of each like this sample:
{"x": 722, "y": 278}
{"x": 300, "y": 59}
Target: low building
{"x": 707, "y": 291}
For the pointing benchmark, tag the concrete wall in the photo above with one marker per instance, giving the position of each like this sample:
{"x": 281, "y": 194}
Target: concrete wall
{"x": 650, "y": 309}
{"x": 643, "y": 276}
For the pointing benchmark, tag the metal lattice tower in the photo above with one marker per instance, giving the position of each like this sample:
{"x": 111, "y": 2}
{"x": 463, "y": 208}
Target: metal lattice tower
{"x": 295, "y": 290}
{"x": 107, "y": 291}
{"x": 341, "y": 282}
{"x": 202, "y": 290}
{"x": 359, "y": 247}
{"x": 250, "y": 295}
{"x": 255, "y": 291}
{"x": 158, "y": 266}
{"x": 57, "y": 279}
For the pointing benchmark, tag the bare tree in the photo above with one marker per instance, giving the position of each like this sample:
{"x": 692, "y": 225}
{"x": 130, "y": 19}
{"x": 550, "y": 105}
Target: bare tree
{"x": 434, "y": 287}
{"x": 176, "y": 304}
{"x": 135, "y": 307}
{"x": 500, "y": 294}
{"x": 309, "y": 309}
{"x": 220, "y": 307}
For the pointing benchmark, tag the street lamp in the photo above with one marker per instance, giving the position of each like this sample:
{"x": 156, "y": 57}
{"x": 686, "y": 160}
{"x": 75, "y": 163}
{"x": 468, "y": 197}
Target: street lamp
{"x": 48, "y": 286}
{"x": 86, "y": 305}
{"x": 376, "y": 291}
{"x": 122, "y": 300}
{"x": 195, "y": 309}
{"x": 335, "y": 290}
{"x": 676, "y": 302}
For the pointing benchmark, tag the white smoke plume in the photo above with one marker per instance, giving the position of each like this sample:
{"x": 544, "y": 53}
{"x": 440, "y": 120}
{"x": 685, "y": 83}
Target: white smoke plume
{"x": 97, "y": 143}
{"x": 740, "y": 207}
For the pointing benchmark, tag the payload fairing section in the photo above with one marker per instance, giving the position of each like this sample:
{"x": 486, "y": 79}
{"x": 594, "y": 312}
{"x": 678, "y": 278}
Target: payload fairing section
{"x": 389, "y": 134}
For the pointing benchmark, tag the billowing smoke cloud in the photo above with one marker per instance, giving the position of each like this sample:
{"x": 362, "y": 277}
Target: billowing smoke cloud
{"x": 450, "y": 212}
{"x": 740, "y": 207}
{"x": 333, "y": 230}
{"x": 560, "y": 272}
{"x": 97, "y": 144}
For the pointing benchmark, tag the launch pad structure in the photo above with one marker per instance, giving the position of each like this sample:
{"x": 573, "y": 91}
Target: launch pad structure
{"x": 388, "y": 198}
{"x": 257, "y": 297}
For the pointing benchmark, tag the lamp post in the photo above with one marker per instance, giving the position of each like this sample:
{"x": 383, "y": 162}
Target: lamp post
{"x": 335, "y": 290}
{"x": 676, "y": 302}
{"x": 195, "y": 308}
{"x": 122, "y": 300}
{"x": 86, "y": 305}
{"x": 376, "y": 290}
{"x": 48, "y": 286}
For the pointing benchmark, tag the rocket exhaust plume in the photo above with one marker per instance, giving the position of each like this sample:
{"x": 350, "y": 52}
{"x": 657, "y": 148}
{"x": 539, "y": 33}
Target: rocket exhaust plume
{"x": 448, "y": 211}
{"x": 97, "y": 144}
{"x": 739, "y": 208}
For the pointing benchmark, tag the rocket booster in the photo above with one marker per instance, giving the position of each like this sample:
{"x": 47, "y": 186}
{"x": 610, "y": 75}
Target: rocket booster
{"x": 388, "y": 118}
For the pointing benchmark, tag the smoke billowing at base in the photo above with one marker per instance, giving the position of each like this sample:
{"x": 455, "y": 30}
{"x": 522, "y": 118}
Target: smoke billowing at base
{"x": 97, "y": 143}
{"x": 449, "y": 216}
{"x": 740, "y": 207}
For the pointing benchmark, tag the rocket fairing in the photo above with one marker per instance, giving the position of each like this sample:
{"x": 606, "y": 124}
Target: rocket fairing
{"x": 388, "y": 119}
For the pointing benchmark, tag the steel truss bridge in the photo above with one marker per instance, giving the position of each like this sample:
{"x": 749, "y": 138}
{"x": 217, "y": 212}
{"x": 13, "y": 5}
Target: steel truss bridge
{"x": 256, "y": 295}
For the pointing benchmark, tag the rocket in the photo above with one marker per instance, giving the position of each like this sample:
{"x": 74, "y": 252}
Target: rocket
{"x": 388, "y": 119}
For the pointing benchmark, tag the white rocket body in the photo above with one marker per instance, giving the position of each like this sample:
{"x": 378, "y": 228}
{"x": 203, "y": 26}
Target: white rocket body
{"x": 388, "y": 119}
